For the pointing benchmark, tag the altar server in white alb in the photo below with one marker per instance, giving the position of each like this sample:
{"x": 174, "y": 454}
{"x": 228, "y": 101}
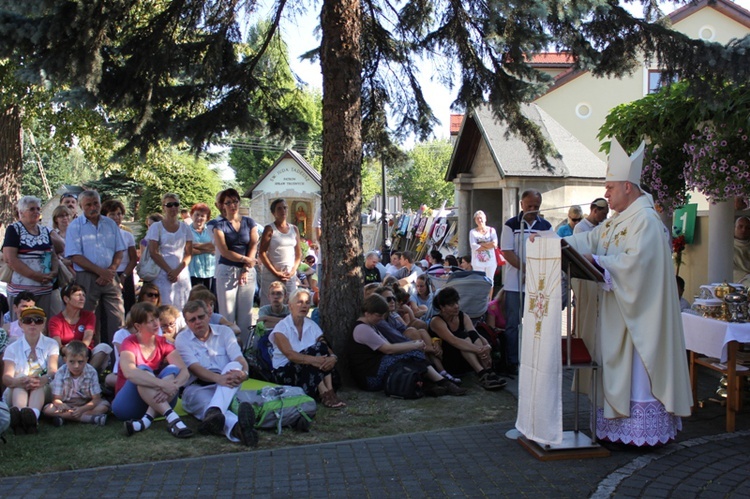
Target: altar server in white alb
{"x": 644, "y": 383}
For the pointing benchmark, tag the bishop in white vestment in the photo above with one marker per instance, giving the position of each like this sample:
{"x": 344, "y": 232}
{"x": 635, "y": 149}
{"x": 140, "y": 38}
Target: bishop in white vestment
{"x": 644, "y": 382}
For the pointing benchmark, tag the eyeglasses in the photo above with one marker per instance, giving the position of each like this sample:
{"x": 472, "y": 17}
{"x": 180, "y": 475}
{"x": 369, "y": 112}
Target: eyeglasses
{"x": 173, "y": 204}
{"x": 152, "y": 295}
{"x": 277, "y": 293}
{"x": 576, "y": 219}
{"x": 196, "y": 318}
{"x": 33, "y": 320}
{"x": 232, "y": 203}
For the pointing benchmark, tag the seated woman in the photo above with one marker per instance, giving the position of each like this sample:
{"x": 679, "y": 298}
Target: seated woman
{"x": 392, "y": 327}
{"x": 371, "y": 354}
{"x": 300, "y": 355}
{"x": 30, "y": 365}
{"x": 273, "y": 313}
{"x": 464, "y": 349}
{"x": 149, "y": 293}
{"x": 75, "y": 323}
{"x": 422, "y": 297}
{"x": 408, "y": 309}
{"x": 149, "y": 378}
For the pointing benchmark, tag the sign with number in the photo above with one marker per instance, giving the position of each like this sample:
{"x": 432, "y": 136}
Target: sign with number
{"x": 684, "y": 222}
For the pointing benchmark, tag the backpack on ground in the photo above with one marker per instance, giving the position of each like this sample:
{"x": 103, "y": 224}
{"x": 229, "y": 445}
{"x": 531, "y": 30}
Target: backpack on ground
{"x": 499, "y": 343}
{"x": 278, "y": 406}
{"x": 258, "y": 354}
{"x": 405, "y": 380}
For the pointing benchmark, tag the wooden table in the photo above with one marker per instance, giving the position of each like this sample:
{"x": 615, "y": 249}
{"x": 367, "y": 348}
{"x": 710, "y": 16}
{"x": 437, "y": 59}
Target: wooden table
{"x": 713, "y": 344}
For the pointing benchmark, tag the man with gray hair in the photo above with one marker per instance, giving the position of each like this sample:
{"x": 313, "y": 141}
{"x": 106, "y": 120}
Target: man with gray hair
{"x": 95, "y": 246}
{"x": 638, "y": 342}
{"x": 217, "y": 369}
{"x": 371, "y": 269}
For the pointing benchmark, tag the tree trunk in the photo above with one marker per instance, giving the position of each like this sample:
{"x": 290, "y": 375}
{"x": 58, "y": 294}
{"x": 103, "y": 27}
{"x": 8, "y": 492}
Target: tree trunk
{"x": 341, "y": 228}
{"x": 11, "y": 162}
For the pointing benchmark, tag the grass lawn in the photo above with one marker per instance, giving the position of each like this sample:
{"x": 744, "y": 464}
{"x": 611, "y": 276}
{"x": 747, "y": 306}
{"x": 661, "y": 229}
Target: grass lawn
{"x": 76, "y": 446}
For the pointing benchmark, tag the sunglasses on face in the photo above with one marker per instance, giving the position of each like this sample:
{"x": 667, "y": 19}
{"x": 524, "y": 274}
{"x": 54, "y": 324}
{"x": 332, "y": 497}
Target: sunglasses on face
{"x": 231, "y": 203}
{"x": 576, "y": 219}
{"x": 33, "y": 320}
{"x": 152, "y": 295}
{"x": 389, "y": 298}
{"x": 173, "y": 204}
{"x": 196, "y": 318}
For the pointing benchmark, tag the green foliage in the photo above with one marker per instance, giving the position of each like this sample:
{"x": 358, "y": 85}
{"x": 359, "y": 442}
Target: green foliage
{"x": 422, "y": 180}
{"x": 673, "y": 118}
{"x": 252, "y": 155}
{"x": 185, "y": 175}
{"x": 372, "y": 185}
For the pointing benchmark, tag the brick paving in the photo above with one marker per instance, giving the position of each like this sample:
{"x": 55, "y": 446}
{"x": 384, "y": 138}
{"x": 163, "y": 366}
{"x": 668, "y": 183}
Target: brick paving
{"x": 475, "y": 461}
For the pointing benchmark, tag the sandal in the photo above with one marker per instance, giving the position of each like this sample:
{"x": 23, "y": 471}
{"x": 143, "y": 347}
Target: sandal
{"x": 179, "y": 432}
{"x": 330, "y": 400}
{"x": 490, "y": 381}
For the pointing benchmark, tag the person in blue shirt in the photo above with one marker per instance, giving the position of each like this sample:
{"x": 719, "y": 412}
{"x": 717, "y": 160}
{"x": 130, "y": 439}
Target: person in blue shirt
{"x": 575, "y": 215}
{"x": 95, "y": 246}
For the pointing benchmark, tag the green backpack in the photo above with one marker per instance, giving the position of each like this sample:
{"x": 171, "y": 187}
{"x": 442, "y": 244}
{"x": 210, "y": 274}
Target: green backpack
{"x": 277, "y": 406}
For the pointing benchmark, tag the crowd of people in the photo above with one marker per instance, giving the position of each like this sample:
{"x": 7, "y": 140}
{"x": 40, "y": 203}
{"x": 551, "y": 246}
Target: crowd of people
{"x": 100, "y": 342}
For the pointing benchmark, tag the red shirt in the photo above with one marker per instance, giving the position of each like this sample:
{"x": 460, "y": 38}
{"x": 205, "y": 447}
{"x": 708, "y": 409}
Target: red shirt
{"x": 59, "y": 327}
{"x": 156, "y": 362}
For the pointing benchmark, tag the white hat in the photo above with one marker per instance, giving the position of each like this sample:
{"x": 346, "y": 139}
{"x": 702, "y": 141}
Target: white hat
{"x": 622, "y": 167}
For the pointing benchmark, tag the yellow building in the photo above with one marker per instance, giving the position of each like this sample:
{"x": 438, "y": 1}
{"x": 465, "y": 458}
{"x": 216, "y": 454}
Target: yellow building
{"x": 580, "y": 102}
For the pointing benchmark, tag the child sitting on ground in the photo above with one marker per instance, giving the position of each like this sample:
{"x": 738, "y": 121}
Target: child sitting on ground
{"x": 169, "y": 317}
{"x": 76, "y": 394}
{"x": 202, "y": 293}
{"x": 274, "y": 312}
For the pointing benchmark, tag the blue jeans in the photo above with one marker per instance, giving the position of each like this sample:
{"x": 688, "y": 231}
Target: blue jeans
{"x": 513, "y": 300}
{"x": 128, "y": 403}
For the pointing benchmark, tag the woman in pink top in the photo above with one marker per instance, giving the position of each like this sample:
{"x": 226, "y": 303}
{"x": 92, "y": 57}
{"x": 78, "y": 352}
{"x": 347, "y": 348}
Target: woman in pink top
{"x": 150, "y": 376}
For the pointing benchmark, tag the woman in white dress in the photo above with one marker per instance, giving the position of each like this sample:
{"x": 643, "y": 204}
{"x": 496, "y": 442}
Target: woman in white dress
{"x": 483, "y": 241}
{"x": 170, "y": 243}
{"x": 280, "y": 252}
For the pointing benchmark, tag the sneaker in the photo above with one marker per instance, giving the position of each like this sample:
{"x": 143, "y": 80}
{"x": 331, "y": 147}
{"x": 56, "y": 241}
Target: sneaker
{"x": 15, "y": 420}
{"x": 434, "y": 390}
{"x": 453, "y": 389}
{"x": 99, "y": 420}
{"x": 244, "y": 430}
{"x": 213, "y": 422}
{"x": 57, "y": 421}
{"x": 29, "y": 422}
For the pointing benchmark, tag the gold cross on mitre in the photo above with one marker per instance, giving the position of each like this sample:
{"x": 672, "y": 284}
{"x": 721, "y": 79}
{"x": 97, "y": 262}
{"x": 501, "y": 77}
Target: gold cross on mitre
{"x": 539, "y": 305}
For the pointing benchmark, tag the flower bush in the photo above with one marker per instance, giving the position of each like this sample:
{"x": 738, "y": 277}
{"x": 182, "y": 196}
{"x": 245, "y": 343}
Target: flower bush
{"x": 717, "y": 163}
{"x": 667, "y": 184}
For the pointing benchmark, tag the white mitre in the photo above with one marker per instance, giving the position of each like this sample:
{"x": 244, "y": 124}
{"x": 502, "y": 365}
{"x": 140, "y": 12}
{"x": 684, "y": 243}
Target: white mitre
{"x": 622, "y": 167}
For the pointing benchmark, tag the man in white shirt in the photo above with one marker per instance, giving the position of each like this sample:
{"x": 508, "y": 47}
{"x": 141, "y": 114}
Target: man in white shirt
{"x": 217, "y": 369}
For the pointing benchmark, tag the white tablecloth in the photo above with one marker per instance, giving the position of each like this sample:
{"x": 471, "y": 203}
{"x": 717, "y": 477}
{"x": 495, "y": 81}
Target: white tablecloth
{"x": 710, "y": 336}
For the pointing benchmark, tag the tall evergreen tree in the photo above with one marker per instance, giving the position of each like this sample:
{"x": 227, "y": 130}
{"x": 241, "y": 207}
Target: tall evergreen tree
{"x": 174, "y": 71}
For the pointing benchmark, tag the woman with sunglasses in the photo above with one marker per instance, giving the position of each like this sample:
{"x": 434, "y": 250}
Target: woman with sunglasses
{"x": 30, "y": 366}
{"x": 29, "y": 253}
{"x": 75, "y": 323}
{"x": 149, "y": 293}
{"x": 236, "y": 240}
{"x": 149, "y": 377}
{"x": 170, "y": 243}
{"x": 575, "y": 215}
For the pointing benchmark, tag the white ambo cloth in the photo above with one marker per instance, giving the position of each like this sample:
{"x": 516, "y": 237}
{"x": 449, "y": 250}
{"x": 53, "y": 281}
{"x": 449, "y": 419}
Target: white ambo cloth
{"x": 540, "y": 373}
